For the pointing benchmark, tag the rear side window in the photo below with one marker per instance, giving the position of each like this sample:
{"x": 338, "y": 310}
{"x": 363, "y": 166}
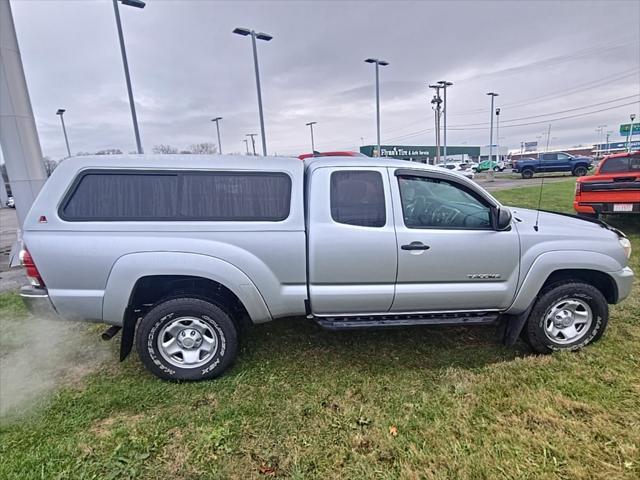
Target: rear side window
{"x": 205, "y": 196}
{"x": 357, "y": 198}
{"x": 621, "y": 165}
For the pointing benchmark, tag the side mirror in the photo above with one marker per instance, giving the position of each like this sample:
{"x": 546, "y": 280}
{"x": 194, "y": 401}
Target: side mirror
{"x": 502, "y": 219}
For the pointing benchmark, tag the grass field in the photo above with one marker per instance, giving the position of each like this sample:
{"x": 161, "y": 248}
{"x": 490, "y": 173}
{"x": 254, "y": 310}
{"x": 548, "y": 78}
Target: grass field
{"x": 434, "y": 403}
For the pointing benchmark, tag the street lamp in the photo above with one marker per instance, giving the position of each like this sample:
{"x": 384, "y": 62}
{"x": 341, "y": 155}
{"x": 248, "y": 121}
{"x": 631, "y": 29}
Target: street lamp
{"x": 266, "y": 37}
{"x": 253, "y": 141}
{"x": 444, "y": 85}
{"x": 64, "y": 130}
{"x": 136, "y": 4}
{"x": 490, "y": 171}
{"x": 217, "y": 120}
{"x": 632, "y": 117}
{"x": 378, "y": 63}
{"x": 313, "y": 147}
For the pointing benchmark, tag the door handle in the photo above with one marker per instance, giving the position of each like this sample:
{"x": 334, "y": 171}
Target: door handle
{"x": 415, "y": 246}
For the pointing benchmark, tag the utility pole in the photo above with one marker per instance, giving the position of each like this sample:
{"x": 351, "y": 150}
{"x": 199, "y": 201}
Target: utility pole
{"x": 630, "y": 136}
{"x": 253, "y": 141}
{"x": 445, "y": 84}
{"x": 436, "y": 101}
{"x": 217, "y": 120}
{"x": 246, "y": 144}
{"x": 490, "y": 173}
{"x": 607, "y": 144}
{"x": 548, "y": 138}
{"x": 64, "y": 130}
{"x": 313, "y": 147}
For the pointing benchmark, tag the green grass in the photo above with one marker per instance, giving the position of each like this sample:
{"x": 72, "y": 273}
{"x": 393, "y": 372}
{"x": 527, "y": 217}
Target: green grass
{"x": 435, "y": 403}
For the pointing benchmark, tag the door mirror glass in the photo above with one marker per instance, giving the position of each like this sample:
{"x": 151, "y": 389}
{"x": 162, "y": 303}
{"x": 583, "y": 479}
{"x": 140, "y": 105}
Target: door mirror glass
{"x": 504, "y": 218}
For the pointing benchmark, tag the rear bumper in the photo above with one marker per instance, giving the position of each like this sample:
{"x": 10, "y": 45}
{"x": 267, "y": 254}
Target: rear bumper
{"x": 604, "y": 208}
{"x": 624, "y": 281}
{"x": 38, "y": 303}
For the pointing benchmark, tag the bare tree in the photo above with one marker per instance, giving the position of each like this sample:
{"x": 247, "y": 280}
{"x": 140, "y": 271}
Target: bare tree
{"x": 110, "y": 151}
{"x": 164, "y": 149}
{"x": 49, "y": 165}
{"x": 206, "y": 148}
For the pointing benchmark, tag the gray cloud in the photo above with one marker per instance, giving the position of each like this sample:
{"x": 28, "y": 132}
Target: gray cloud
{"x": 187, "y": 66}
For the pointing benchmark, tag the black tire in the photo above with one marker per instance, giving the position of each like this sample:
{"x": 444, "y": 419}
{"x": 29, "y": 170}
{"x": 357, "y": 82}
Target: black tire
{"x": 550, "y": 296}
{"x": 527, "y": 173}
{"x": 216, "y": 323}
{"x": 580, "y": 171}
{"x": 496, "y": 169}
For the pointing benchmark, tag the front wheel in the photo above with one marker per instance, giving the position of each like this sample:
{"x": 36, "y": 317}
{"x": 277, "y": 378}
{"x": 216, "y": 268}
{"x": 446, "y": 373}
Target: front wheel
{"x": 567, "y": 316}
{"x": 496, "y": 169}
{"x": 186, "y": 339}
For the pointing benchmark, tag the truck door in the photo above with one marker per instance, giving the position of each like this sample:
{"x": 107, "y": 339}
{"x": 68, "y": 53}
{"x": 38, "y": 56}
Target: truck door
{"x": 550, "y": 163}
{"x": 449, "y": 257}
{"x": 351, "y": 240}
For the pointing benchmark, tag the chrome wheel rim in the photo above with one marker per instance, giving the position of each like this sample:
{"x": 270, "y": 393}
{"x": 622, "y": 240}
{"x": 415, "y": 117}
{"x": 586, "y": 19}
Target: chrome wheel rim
{"x": 568, "y": 321}
{"x": 187, "y": 342}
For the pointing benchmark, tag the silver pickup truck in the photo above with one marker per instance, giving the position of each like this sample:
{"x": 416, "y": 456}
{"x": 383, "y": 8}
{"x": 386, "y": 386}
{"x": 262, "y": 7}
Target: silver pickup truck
{"x": 180, "y": 251}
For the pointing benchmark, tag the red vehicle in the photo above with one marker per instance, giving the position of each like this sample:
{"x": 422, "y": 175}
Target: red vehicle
{"x": 614, "y": 188}
{"x": 331, "y": 154}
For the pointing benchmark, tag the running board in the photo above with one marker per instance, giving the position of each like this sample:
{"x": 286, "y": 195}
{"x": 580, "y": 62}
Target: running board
{"x": 405, "y": 320}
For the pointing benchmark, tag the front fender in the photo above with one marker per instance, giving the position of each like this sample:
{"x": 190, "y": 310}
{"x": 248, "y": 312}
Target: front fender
{"x": 128, "y": 269}
{"x": 547, "y": 263}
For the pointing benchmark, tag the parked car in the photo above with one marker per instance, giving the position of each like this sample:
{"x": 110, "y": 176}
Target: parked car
{"x": 179, "y": 252}
{"x": 459, "y": 168}
{"x": 614, "y": 188}
{"x": 487, "y": 165}
{"x": 553, "y": 162}
{"x": 11, "y": 203}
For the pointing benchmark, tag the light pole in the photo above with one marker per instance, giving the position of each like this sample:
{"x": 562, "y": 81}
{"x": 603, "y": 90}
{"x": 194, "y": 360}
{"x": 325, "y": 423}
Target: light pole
{"x": 313, "y": 147}
{"x": 378, "y": 63}
{"x": 498, "y": 133}
{"x": 253, "y": 141}
{"x": 266, "y": 37}
{"x": 64, "y": 130}
{"x": 246, "y": 144}
{"x": 436, "y": 101}
{"x": 490, "y": 171}
{"x": 217, "y": 120}
{"x": 607, "y": 143}
{"x": 137, "y": 4}
{"x": 632, "y": 117}
{"x": 445, "y": 84}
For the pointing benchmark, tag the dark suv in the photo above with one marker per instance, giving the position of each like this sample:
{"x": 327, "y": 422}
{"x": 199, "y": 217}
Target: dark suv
{"x": 553, "y": 162}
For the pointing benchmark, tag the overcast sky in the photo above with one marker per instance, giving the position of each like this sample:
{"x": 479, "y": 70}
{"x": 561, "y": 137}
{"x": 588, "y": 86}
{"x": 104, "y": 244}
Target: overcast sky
{"x": 546, "y": 59}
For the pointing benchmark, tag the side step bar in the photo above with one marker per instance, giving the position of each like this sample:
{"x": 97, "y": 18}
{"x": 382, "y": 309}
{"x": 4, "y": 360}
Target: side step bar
{"x": 405, "y": 320}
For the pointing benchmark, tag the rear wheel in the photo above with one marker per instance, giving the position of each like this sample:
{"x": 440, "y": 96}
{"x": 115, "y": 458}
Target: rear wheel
{"x": 187, "y": 339}
{"x": 527, "y": 173}
{"x": 567, "y": 316}
{"x": 580, "y": 171}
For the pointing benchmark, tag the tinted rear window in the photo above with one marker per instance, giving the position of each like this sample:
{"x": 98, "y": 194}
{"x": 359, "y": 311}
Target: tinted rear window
{"x": 357, "y": 198}
{"x": 621, "y": 165}
{"x": 211, "y": 196}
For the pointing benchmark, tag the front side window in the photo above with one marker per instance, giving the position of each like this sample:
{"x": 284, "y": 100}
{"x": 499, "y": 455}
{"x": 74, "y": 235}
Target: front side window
{"x": 435, "y": 203}
{"x": 200, "y": 196}
{"x": 357, "y": 198}
{"x": 563, "y": 156}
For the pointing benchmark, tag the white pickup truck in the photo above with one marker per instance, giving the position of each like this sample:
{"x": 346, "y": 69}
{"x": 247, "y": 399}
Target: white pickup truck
{"x": 179, "y": 250}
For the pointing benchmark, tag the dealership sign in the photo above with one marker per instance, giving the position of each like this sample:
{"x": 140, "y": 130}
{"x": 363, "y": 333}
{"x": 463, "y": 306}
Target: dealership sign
{"x": 398, "y": 151}
{"x": 624, "y": 129}
{"x": 530, "y": 146}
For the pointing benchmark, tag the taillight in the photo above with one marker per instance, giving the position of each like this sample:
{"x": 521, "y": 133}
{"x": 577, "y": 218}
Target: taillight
{"x": 578, "y": 188}
{"x": 29, "y": 265}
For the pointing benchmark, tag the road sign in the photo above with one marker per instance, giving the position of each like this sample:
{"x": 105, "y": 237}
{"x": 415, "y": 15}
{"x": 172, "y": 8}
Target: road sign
{"x": 624, "y": 129}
